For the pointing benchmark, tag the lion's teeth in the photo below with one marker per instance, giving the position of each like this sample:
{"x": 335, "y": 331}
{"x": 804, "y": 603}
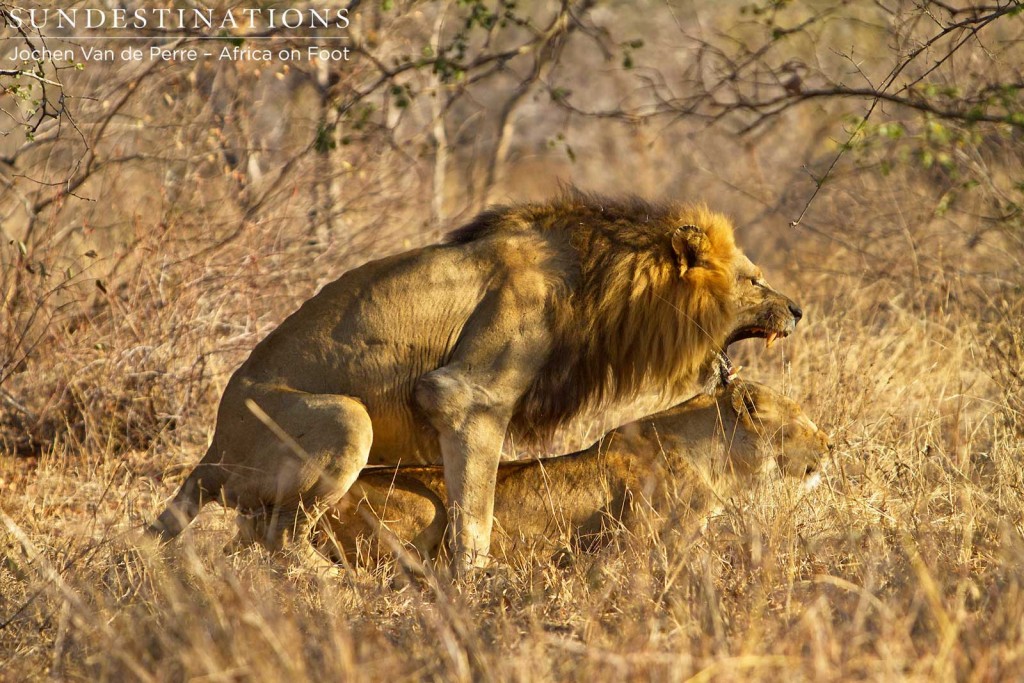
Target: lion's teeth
{"x": 734, "y": 372}
{"x": 770, "y": 339}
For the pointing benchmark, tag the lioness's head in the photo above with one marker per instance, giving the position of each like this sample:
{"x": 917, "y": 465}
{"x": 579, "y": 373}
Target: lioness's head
{"x": 762, "y": 424}
{"x": 738, "y": 430}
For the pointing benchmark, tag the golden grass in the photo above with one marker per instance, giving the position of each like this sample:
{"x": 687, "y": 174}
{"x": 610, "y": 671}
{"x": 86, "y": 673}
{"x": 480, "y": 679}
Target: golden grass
{"x": 907, "y": 563}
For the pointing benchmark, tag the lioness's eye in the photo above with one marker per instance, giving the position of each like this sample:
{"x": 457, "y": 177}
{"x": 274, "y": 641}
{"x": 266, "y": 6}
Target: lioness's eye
{"x": 753, "y": 281}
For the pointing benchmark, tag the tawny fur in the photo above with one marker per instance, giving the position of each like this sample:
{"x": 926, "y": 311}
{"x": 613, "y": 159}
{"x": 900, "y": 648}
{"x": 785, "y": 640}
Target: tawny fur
{"x": 525, "y": 318}
{"x": 679, "y": 464}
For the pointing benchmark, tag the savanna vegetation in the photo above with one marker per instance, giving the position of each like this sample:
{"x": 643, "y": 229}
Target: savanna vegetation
{"x": 158, "y": 217}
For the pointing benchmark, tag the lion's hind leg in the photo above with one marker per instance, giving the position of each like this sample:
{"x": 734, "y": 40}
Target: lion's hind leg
{"x": 316, "y": 447}
{"x": 201, "y": 486}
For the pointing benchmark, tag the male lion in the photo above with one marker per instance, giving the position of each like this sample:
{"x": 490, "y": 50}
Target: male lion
{"x": 518, "y": 322}
{"x": 677, "y": 461}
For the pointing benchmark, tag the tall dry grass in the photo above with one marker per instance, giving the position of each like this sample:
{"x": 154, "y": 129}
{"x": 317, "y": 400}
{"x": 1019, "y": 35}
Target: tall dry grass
{"x": 906, "y": 563}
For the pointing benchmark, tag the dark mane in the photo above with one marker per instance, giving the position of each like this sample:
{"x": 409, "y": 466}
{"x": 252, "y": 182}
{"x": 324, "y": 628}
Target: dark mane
{"x": 483, "y": 224}
{"x": 633, "y": 320}
{"x": 565, "y": 212}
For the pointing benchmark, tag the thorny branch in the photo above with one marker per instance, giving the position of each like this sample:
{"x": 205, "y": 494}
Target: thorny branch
{"x": 751, "y": 88}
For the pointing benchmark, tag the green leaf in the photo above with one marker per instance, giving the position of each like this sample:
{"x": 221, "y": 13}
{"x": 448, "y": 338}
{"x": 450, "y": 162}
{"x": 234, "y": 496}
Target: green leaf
{"x": 324, "y": 140}
{"x": 559, "y": 93}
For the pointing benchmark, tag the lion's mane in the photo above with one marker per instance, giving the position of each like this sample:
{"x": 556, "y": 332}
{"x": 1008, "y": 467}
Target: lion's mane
{"x": 630, "y": 311}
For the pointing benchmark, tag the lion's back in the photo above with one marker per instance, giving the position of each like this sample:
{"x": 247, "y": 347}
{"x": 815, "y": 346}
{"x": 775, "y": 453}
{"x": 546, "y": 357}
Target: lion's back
{"x": 373, "y": 332}
{"x": 396, "y": 316}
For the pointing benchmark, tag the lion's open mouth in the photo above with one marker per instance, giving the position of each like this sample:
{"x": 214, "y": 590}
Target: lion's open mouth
{"x": 769, "y": 336}
{"x": 726, "y": 370}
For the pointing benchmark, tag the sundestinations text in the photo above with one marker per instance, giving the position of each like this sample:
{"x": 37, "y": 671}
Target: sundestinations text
{"x": 175, "y": 19}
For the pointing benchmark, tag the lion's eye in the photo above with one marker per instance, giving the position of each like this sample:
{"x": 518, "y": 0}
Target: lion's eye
{"x": 754, "y": 281}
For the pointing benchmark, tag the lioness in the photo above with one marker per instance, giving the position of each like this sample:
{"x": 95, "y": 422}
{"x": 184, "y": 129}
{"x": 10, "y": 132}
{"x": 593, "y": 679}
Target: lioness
{"x": 519, "y": 321}
{"x": 682, "y": 456}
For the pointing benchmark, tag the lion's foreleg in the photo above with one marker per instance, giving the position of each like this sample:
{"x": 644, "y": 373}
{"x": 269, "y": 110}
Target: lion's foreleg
{"x": 470, "y": 402}
{"x": 470, "y": 433}
{"x": 470, "y": 468}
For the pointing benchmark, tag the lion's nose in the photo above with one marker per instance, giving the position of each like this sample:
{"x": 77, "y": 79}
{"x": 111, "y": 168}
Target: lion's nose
{"x": 796, "y": 311}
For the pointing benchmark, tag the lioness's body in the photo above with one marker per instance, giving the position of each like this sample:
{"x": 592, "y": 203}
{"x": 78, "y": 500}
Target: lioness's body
{"x": 685, "y": 456}
{"x": 524, "y": 318}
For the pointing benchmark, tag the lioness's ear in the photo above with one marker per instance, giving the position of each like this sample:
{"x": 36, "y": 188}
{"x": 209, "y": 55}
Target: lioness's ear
{"x": 743, "y": 402}
{"x": 690, "y": 244}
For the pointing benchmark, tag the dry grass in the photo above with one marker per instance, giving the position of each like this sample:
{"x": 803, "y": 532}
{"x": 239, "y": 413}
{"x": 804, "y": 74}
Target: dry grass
{"x": 908, "y": 563}
{"x": 905, "y": 564}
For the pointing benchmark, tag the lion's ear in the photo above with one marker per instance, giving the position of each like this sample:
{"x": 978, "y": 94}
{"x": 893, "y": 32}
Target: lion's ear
{"x": 690, "y": 245}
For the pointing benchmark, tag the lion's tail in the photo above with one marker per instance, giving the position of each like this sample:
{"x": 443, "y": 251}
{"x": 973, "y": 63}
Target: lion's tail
{"x": 201, "y": 486}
